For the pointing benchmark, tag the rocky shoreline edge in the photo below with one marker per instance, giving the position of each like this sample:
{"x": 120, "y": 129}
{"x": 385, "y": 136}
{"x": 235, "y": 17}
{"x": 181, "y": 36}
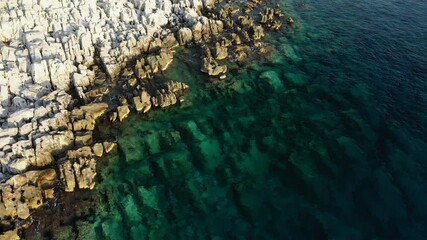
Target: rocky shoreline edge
{"x": 58, "y": 79}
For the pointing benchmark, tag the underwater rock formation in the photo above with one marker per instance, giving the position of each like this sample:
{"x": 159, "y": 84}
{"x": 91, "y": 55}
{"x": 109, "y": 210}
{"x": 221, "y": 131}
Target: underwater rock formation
{"x": 60, "y": 60}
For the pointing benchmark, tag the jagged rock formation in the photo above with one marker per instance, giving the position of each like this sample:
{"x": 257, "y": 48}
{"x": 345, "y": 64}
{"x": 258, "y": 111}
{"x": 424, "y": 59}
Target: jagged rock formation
{"x": 52, "y": 50}
{"x": 56, "y": 58}
{"x": 168, "y": 94}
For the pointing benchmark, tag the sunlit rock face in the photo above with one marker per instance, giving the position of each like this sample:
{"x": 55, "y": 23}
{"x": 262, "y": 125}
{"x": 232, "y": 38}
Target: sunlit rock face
{"x": 51, "y": 54}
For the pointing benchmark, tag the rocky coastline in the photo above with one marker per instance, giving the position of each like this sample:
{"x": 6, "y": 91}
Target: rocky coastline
{"x": 67, "y": 64}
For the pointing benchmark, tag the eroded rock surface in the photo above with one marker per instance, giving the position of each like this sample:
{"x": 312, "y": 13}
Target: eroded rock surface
{"x": 49, "y": 52}
{"x": 57, "y": 63}
{"x": 168, "y": 94}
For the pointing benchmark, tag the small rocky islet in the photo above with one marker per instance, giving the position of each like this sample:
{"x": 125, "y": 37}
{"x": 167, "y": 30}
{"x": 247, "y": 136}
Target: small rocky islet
{"x": 69, "y": 65}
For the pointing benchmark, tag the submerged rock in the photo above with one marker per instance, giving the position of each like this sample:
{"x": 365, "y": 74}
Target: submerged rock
{"x": 296, "y": 79}
{"x": 272, "y": 78}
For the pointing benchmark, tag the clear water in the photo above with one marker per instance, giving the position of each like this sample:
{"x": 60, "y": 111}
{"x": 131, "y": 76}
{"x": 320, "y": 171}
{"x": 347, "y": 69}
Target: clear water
{"x": 326, "y": 139}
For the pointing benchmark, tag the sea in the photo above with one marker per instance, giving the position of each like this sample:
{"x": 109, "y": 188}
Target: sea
{"x": 325, "y": 137}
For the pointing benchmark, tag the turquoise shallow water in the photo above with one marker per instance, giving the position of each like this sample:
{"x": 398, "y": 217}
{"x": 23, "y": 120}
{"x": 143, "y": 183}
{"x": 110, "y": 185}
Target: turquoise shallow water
{"x": 325, "y": 139}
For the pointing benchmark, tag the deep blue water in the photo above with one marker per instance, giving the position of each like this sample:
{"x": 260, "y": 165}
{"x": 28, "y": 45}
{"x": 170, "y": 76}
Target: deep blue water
{"x": 325, "y": 139}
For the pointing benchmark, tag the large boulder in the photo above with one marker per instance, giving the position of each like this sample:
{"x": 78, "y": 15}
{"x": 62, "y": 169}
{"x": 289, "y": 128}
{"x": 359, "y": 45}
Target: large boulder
{"x": 83, "y": 139}
{"x": 140, "y": 69}
{"x": 163, "y": 98}
{"x": 60, "y": 74}
{"x": 185, "y": 36}
{"x": 20, "y": 158}
{"x": 221, "y": 51}
{"x": 165, "y": 59}
{"x": 98, "y": 149}
{"x": 142, "y": 102}
{"x": 168, "y": 94}
{"x": 109, "y": 146}
{"x": 212, "y": 68}
{"x": 83, "y": 79}
{"x": 123, "y": 112}
{"x": 85, "y": 117}
{"x": 49, "y": 145}
{"x": 21, "y": 116}
{"x": 58, "y": 98}
{"x": 78, "y": 169}
{"x": 58, "y": 122}
{"x": 169, "y": 41}
{"x": 8, "y": 132}
{"x": 67, "y": 176}
{"x": 10, "y": 235}
{"x": 197, "y": 32}
{"x": 85, "y": 172}
{"x": 174, "y": 86}
{"x": 153, "y": 62}
{"x": 6, "y": 141}
{"x": 95, "y": 109}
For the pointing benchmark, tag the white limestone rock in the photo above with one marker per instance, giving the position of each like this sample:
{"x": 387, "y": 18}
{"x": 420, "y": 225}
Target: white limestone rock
{"x": 4, "y": 96}
{"x": 8, "y": 132}
{"x": 18, "y": 165}
{"x": 83, "y": 79}
{"x": 58, "y": 122}
{"x": 163, "y": 99}
{"x": 6, "y": 141}
{"x": 41, "y": 112}
{"x": 40, "y": 73}
{"x": 26, "y": 129}
{"x": 109, "y": 146}
{"x": 48, "y": 145}
{"x": 21, "y": 116}
{"x": 85, "y": 172}
{"x": 3, "y": 112}
{"x": 58, "y": 98}
{"x": 88, "y": 49}
{"x": 60, "y": 74}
